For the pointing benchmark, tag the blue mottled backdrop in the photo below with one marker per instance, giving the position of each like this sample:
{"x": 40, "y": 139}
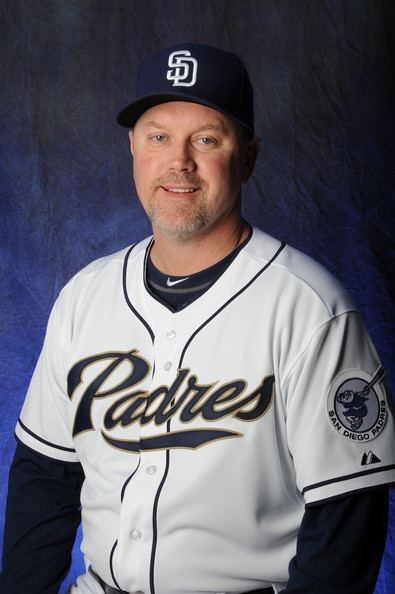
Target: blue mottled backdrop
{"x": 323, "y": 72}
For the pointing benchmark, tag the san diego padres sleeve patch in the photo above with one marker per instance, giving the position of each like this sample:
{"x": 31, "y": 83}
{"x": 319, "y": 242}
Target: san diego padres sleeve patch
{"x": 357, "y": 406}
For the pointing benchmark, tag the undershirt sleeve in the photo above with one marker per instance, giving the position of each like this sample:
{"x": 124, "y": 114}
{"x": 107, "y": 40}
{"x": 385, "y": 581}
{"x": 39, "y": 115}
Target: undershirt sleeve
{"x": 42, "y": 517}
{"x": 340, "y": 545}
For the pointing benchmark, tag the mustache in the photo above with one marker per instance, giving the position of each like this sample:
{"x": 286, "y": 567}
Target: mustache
{"x": 179, "y": 179}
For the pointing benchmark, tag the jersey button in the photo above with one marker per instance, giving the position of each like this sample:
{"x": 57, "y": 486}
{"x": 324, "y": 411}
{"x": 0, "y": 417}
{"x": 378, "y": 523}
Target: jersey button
{"x": 167, "y": 366}
{"x": 151, "y": 469}
{"x": 171, "y": 334}
{"x": 135, "y": 535}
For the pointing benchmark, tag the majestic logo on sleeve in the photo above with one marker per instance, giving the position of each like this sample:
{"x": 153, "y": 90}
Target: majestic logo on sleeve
{"x": 356, "y": 405}
{"x": 182, "y": 69}
{"x": 121, "y": 375}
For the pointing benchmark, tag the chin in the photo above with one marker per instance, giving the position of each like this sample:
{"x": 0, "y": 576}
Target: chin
{"x": 183, "y": 229}
{"x": 183, "y": 225}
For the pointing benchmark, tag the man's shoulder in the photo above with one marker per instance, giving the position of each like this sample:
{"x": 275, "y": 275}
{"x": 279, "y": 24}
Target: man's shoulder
{"x": 115, "y": 260}
{"x": 103, "y": 270}
{"x": 302, "y": 273}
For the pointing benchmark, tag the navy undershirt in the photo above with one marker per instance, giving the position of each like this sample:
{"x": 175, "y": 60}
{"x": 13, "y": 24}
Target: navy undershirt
{"x": 177, "y": 292}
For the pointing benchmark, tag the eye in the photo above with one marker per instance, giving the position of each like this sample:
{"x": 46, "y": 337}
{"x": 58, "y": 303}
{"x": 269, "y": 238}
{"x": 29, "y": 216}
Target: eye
{"x": 158, "y": 138}
{"x": 206, "y": 141}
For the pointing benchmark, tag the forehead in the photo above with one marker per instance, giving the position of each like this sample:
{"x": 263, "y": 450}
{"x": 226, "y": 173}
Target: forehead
{"x": 175, "y": 114}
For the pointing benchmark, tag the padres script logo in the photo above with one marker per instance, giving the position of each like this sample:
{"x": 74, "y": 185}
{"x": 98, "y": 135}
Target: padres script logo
{"x": 185, "y": 398}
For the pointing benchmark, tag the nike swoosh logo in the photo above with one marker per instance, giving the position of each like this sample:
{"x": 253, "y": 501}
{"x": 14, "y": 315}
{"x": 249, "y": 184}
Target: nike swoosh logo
{"x": 171, "y": 283}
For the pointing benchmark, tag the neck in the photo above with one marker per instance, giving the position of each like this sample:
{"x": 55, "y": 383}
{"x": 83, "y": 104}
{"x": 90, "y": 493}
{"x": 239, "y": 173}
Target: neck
{"x": 177, "y": 256}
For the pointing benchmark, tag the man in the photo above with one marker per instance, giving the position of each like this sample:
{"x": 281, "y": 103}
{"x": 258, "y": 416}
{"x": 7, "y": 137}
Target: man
{"x": 213, "y": 390}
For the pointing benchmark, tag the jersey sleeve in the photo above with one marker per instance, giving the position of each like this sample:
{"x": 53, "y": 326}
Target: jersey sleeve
{"x": 45, "y": 424}
{"x": 339, "y": 423}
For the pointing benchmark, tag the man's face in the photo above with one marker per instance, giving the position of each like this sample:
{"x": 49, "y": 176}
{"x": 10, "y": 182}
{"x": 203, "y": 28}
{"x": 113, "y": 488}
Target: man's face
{"x": 189, "y": 164}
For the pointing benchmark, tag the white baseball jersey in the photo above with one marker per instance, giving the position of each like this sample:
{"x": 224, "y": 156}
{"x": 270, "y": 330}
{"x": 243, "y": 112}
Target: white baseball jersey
{"x": 204, "y": 433}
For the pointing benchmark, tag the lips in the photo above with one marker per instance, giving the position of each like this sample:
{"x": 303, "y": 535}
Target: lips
{"x": 179, "y": 189}
{"x": 179, "y": 186}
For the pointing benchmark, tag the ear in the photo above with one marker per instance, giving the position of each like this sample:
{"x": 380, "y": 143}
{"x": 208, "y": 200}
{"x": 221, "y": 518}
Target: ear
{"x": 251, "y": 151}
{"x": 131, "y": 141}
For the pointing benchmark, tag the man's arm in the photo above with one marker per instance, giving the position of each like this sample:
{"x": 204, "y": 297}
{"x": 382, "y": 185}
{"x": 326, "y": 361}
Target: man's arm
{"x": 42, "y": 517}
{"x": 340, "y": 545}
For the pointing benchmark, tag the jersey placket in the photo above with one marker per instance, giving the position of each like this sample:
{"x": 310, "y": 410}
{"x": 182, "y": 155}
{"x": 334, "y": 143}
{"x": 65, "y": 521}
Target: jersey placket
{"x": 139, "y": 529}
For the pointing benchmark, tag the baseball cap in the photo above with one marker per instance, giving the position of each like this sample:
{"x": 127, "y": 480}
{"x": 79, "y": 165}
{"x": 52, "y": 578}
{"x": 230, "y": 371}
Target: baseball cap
{"x": 196, "y": 73}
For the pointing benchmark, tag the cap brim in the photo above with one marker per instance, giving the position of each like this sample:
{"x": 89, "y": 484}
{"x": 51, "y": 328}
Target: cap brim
{"x": 129, "y": 116}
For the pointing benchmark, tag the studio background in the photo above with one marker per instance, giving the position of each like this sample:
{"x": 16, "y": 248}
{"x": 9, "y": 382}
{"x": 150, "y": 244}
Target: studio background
{"x": 324, "y": 182}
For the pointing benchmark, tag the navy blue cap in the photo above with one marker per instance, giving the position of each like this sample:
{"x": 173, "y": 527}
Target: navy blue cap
{"x": 196, "y": 73}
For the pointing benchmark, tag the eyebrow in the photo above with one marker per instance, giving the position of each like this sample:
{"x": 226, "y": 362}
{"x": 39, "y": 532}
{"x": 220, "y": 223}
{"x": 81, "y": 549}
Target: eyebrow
{"x": 154, "y": 124}
{"x": 207, "y": 126}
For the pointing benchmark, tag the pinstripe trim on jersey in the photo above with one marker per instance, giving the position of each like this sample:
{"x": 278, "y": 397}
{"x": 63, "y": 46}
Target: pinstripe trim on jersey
{"x": 125, "y": 293}
{"x": 347, "y": 493}
{"x": 155, "y": 518}
{"x": 128, "y": 480}
{"x": 111, "y": 564}
{"x": 44, "y": 441}
{"x": 156, "y": 503}
{"x": 348, "y": 477}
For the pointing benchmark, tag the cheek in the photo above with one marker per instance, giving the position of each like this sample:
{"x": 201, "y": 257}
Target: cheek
{"x": 229, "y": 175}
{"x": 218, "y": 172}
{"x": 143, "y": 171}
{"x": 142, "y": 182}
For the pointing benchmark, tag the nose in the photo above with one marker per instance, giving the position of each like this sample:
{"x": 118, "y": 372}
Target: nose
{"x": 181, "y": 157}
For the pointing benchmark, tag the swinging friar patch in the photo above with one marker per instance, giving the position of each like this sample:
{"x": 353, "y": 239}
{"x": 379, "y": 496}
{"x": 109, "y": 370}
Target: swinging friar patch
{"x": 357, "y": 406}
